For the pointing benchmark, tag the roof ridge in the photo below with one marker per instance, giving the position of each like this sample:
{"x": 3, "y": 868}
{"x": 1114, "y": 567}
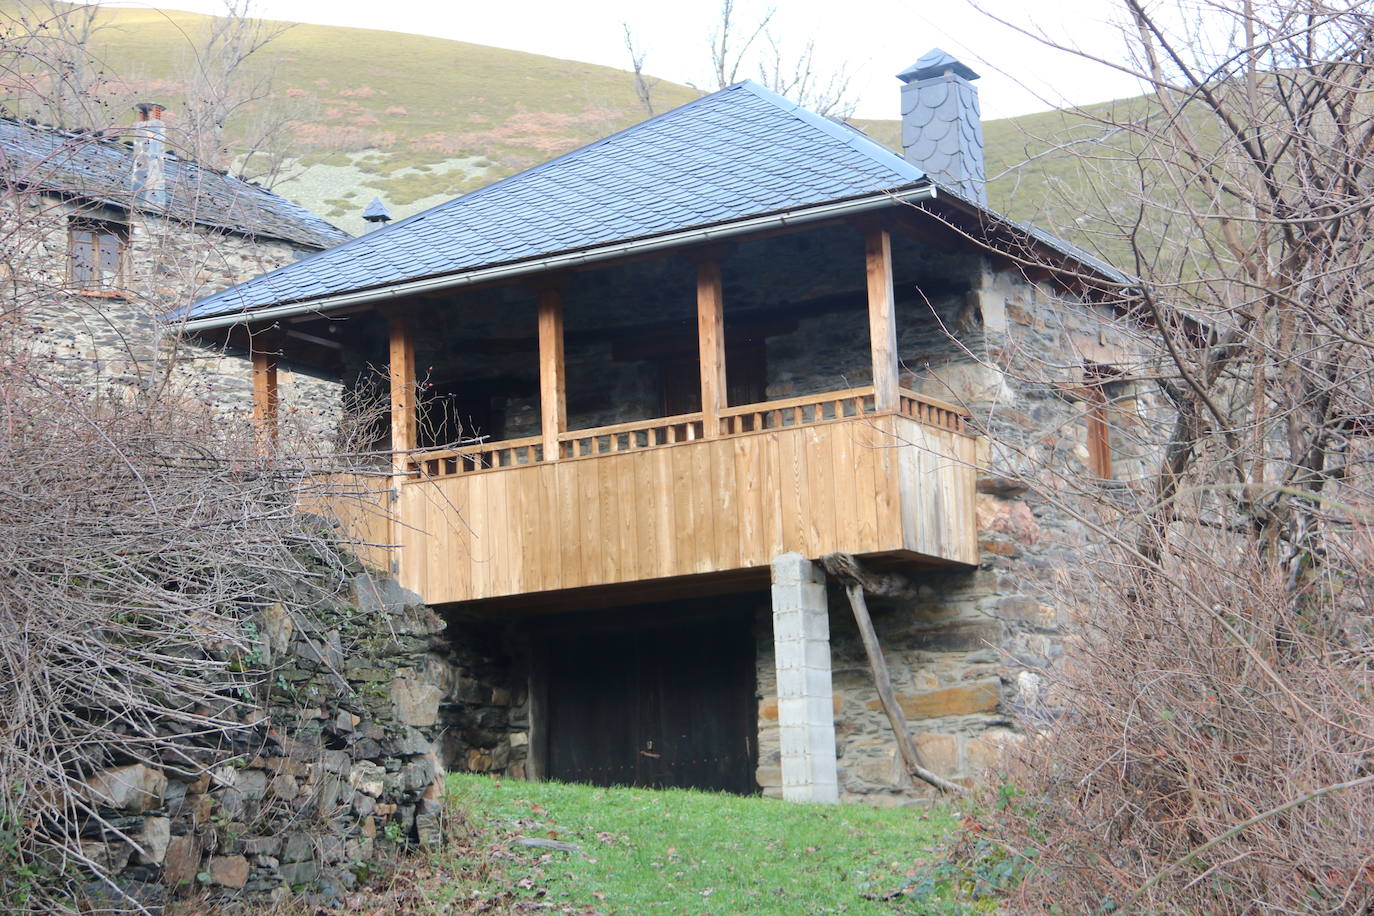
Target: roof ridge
{"x": 853, "y": 139}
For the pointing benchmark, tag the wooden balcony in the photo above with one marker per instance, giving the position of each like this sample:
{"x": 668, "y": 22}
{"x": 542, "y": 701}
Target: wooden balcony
{"x": 673, "y": 505}
{"x": 660, "y": 500}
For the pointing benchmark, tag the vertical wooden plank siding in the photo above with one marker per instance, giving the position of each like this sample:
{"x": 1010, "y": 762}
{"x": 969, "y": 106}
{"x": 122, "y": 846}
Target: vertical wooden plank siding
{"x": 876, "y": 484}
{"x": 265, "y": 398}
{"x": 553, "y": 389}
{"x": 711, "y": 344}
{"x": 403, "y": 381}
{"x": 882, "y": 318}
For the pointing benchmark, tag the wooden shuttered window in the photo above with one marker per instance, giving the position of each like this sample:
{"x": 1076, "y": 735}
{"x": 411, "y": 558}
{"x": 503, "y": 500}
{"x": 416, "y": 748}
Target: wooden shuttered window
{"x": 1099, "y": 419}
{"x": 96, "y": 263}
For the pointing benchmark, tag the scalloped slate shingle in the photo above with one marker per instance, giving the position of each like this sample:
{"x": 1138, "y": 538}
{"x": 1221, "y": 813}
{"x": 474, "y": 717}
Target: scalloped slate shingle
{"x": 942, "y": 125}
{"x": 740, "y": 152}
{"x": 99, "y": 170}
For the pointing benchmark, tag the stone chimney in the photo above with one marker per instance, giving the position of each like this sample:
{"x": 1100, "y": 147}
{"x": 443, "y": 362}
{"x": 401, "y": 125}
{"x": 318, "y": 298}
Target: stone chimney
{"x": 376, "y": 215}
{"x": 942, "y": 129}
{"x": 149, "y": 179}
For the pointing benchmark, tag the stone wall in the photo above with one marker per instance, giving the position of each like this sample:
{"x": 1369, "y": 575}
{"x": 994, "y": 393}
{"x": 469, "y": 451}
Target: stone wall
{"x": 116, "y": 339}
{"x": 963, "y": 653}
{"x": 485, "y": 711}
{"x": 338, "y": 764}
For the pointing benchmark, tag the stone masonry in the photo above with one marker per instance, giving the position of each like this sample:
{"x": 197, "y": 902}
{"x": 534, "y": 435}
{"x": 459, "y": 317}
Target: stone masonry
{"x": 337, "y": 766}
{"x": 116, "y": 340}
{"x": 964, "y": 649}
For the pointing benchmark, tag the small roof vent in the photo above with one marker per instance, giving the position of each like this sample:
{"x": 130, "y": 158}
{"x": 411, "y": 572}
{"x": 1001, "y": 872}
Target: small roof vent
{"x": 376, "y": 214}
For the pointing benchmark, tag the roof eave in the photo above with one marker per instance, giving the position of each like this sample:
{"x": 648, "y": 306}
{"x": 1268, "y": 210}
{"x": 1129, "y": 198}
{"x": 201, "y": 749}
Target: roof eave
{"x": 1111, "y": 277}
{"x": 923, "y": 190}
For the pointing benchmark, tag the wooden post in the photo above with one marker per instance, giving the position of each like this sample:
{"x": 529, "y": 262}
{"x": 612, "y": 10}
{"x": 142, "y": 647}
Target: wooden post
{"x": 403, "y": 381}
{"x": 265, "y": 393}
{"x": 882, "y": 317}
{"x": 553, "y": 387}
{"x": 848, "y": 570}
{"x": 711, "y": 344}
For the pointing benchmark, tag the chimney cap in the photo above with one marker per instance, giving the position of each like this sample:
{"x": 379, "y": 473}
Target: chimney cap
{"x": 150, "y": 111}
{"x": 933, "y": 63}
{"x": 376, "y": 212}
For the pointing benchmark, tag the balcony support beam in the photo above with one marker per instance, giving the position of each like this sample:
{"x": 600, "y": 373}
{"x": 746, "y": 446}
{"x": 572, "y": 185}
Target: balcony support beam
{"x": 404, "y": 424}
{"x": 553, "y": 386}
{"x": 882, "y": 317}
{"x": 711, "y": 344}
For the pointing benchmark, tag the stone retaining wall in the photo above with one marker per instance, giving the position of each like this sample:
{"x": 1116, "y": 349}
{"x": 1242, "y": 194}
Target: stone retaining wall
{"x": 338, "y": 764}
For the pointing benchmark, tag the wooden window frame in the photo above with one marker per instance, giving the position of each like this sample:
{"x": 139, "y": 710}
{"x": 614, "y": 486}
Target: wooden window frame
{"x": 99, "y": 283}
{"x": 1096, "y": 377}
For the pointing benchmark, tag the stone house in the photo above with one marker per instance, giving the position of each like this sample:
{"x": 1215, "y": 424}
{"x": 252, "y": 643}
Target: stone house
{"x": 107, "y": 231}
{"x": 639, "y": 391}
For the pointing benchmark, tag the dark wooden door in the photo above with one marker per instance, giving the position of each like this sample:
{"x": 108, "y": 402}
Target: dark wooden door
{"x": 669, "y": 705}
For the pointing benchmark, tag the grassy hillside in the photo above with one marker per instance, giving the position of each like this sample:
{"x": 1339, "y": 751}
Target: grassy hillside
{"x": 418, "y": 120}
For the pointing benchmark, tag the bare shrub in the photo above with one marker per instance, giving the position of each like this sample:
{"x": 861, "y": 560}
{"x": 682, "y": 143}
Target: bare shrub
{"x": 141, "y": 536}
{"x": 1207, "y": 747}
{"x": 1211, "y": 750}
{"x": 142, "y": 533}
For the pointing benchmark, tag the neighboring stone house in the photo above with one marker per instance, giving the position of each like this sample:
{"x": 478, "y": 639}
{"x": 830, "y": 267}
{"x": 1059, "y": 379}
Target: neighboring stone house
{"x": 632, "y": 387}
{"x": 104, "y": 232}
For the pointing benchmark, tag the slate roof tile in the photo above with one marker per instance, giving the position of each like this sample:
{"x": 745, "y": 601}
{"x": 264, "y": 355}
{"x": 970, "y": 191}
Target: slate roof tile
{"x": 739, "y": 152}
{"x": 98, "y": 168}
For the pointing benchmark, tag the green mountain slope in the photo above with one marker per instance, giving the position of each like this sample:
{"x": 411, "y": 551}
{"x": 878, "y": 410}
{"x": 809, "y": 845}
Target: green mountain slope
{"x": 417, "y": 120}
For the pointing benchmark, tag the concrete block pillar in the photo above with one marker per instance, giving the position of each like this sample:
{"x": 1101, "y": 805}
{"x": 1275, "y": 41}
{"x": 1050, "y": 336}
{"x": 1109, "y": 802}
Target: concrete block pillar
{"x": 806, "y": 717}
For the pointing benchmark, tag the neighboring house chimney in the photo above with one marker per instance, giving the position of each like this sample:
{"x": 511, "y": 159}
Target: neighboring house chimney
{"x": 942, "y": 130}
{"x": 149, "y": 179}
{"x": 376, "y": 214}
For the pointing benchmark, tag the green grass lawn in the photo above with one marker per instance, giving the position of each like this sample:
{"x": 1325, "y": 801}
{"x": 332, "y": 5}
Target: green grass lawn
{"x": 673, "y": 851}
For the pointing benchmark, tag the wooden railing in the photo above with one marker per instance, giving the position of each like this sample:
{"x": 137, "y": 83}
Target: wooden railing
{"x": 931, "y": 411}
{"x": 628, "y": 437}
{"x": 802, "y": 411}
{"x": 485, "y": 456}
{"x": 809, "y": 410}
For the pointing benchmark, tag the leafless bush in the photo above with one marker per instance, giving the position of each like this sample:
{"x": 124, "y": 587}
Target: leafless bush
{"x": 1209, "y": 743}
{"x": 1211, "y": 749}
{"x": 141, "y": 536}
{"x": 142, "y": 531}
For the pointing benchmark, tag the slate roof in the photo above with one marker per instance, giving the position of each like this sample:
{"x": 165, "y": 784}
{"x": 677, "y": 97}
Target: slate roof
{"x": 741, "y": 152}
{"x": 99, "y": 169}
